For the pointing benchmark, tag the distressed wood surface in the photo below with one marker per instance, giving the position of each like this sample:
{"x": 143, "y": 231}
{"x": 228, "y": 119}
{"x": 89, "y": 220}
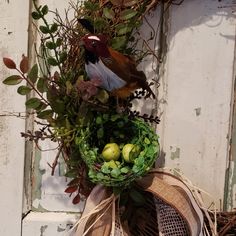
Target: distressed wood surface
{"x": 47, "y": 224}
{"x": 197, "y": 92}
{"x": 13, "y": 43}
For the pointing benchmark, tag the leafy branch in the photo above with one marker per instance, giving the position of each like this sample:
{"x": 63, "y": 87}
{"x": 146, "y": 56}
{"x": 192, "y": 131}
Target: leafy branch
{"x": 51, "y": 30}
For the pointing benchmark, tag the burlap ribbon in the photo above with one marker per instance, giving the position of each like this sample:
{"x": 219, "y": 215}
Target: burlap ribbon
{"x": 99, "y": 216}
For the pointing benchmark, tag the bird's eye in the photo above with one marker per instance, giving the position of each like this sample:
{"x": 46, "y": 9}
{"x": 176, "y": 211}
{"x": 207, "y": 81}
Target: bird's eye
{"x": 94, "y": 43}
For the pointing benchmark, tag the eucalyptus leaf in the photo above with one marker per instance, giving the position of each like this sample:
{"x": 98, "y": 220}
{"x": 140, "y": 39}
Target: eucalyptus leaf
{"x": 41, "y": 107}
{"x": 33, "y": 73}
{"x": 42, "y": 85}
{"x": 24, "y": 90}
{"x": 13, "y": 80}
{"x": 33, "y": 103}
{"x": 45, "y": 114}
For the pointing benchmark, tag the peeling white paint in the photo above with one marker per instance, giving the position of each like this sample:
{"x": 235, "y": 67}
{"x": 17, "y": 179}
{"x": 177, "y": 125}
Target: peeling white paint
{"x": 48, "y": 224}
{"x": 198, "y": 74}
{"x": 13, "y": 43}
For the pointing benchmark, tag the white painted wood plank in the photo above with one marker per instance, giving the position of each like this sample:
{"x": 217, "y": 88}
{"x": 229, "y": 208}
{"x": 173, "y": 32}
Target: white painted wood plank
{"x": 47, "y": 224}
{"x": 198, "y": 86}
{"x": 48, "y": 190}
{"x": 13, "y": 43}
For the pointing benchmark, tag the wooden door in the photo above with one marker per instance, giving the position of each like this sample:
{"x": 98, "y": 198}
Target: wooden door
{"x": 195, "y": 104}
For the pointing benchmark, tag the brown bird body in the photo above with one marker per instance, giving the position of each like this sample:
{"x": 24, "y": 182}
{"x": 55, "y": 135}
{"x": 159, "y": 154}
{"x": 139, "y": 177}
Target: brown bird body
{"x": 123, "y": 67}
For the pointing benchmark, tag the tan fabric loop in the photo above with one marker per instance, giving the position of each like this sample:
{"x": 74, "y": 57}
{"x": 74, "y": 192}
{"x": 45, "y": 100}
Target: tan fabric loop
{"x": 170, "y": 190}
{"x": 101, "y": 214}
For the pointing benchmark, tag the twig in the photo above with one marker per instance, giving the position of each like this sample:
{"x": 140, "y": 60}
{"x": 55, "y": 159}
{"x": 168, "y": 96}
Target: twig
{"x": 228, "y": 226}
{"x": 55, "y": 162}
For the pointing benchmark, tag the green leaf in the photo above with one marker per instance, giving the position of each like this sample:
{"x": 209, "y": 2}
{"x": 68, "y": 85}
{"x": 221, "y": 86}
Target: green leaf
{"x": 33, "y": 103}
{"x": 128, "y": 14}
{"x": 45, "y": 114}
{"x": 41, "y": 107}
{"x": 99, "y": 120}
{"x": 115, "y": 117}
{"x": 146, "y": 140}
{"x": 100, "y": 176}
{"x": 108, "y": 13}
{"x": 62, "y": 56}
{"x": 44, "y": 29}
{"x": 118, "y": 42}
{"x": 100, "y": 24}
{"x": 105, "y": 168}
{"x": 100, "y": 133}
{"x": 124, "y": 170}
{"x": 71, "y": 174}
{"x": 57, "y": 105}
{"x": 42, "y": 85}
{"x": 51, "y": 45}
{"x": 123, "y": 29}
{"x": 115, "y": 172}
{"x": 23, "y": 90}
{"x": 35, "y": 15}
{"x": 45, "y": 10}
{"x": 59, "y": 42}
{"x": 52, "y": 61}
{"x": 91, "y": 6}
{"x": 13, "y": 80}
{"x": 33, "y": 73}
{"x": 54, "y": 28}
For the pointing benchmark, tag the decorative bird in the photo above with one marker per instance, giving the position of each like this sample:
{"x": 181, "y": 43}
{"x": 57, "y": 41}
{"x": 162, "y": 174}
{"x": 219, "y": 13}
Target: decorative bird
{"x": 117, "y": 72}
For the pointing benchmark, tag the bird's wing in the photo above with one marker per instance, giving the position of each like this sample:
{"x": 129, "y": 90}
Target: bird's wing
{"x": 110, "y": 80}
{"x": 125, "y": 68}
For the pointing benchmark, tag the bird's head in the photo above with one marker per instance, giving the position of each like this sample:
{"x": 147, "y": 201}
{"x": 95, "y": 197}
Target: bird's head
{"x": 96, "y": 44}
